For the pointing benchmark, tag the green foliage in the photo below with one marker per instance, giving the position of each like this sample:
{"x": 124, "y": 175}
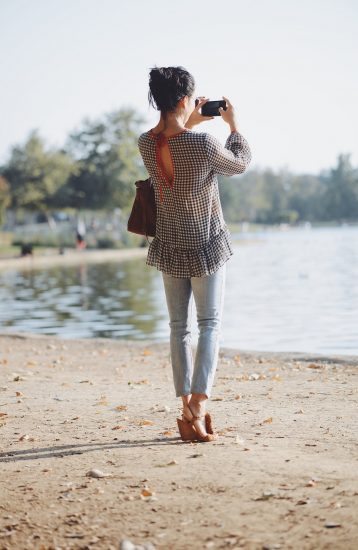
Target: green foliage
{"x": 267, "y": 197}
{"x": 36, "y": 174}
{"x": 108, "y": 161}
{"x": 100, "y": 162}
{"x": 341, "y": 198}
{"x": 46, "y": 239}
{"x": 107, "y": 242}
{"x": 5, "y": 198}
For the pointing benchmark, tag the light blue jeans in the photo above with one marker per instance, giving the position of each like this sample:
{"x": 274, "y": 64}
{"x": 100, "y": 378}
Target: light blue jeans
{"x": 208, "y": 293}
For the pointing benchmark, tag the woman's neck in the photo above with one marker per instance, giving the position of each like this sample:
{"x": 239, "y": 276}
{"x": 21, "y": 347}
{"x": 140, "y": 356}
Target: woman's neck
{"x": 170, "y": 125}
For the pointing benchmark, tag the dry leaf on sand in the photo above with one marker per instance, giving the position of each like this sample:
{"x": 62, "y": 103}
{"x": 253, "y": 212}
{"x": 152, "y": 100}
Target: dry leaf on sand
{"x": 26, "y": 437}
{"x": 145, "y": 423}
{"x": 121, "y": 408}
{"x": 148, "y": 494}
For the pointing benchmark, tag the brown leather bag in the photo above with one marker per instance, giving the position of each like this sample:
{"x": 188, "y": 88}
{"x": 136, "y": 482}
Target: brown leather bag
{"x": 143, "y": 217}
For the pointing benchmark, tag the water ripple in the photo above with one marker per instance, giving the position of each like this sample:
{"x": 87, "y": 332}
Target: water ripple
{"x": 286, "y": 291}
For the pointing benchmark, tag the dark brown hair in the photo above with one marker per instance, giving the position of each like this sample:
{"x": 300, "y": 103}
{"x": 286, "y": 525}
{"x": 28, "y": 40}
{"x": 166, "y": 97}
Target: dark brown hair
{"x": 167, "y": 85}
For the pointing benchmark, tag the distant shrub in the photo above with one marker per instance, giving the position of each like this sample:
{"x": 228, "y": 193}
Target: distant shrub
{"x": 45, "y": 241}
{"x": 107, "y": 242}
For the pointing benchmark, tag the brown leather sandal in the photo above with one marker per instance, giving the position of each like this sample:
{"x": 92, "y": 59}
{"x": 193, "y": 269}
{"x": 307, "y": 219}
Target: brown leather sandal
{"x": 208, "y": 422}
{"x": 188, "y": 430}
{"x": 207, "y": 437}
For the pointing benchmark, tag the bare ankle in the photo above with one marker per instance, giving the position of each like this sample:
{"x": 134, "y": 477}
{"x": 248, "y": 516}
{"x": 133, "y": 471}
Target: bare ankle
{"x": 185, "y": 399}
{"x": 198, "y": 397}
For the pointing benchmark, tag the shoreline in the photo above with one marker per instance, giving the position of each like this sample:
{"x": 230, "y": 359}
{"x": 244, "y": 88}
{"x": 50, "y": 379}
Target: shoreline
{"x": 71, "y": 257}
{"x": 281, "y": 474}
{"x": 228, "y": 351}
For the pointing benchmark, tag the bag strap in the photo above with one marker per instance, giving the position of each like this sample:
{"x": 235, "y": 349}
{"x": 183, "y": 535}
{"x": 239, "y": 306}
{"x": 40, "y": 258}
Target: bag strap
{"x": 145, "y": 222}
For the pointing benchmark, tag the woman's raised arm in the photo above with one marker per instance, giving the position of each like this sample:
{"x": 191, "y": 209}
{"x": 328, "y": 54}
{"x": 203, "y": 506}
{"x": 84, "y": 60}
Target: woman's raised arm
{"x": 232, "y": 159}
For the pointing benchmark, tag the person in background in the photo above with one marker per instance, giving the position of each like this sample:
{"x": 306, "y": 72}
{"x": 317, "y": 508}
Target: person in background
{"x": 80, "y": 235}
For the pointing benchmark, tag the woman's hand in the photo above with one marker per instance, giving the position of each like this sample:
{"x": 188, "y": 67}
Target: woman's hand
{"x": 195, "y": 117}
{"x": 229, "y": 115}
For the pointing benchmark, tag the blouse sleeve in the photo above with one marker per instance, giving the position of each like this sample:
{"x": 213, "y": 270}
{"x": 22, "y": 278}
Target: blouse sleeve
{"x": 232, "y": 159}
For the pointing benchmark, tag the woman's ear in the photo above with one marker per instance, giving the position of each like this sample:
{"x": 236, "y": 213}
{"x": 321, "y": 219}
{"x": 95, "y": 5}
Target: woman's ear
{"x": 183, "y": 102}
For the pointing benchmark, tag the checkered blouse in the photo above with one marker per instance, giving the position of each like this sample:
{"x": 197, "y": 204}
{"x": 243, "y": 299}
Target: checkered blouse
{"x": 192, "y": 239}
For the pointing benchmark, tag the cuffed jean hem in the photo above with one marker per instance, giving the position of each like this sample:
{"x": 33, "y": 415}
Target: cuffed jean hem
{"x": 208, "y": 292}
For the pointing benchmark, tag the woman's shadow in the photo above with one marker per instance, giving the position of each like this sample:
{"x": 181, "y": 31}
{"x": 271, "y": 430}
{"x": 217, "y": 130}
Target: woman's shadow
{"x": 60, "y": 451}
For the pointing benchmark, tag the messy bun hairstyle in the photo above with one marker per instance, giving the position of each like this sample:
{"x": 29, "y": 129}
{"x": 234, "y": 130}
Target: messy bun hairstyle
{"x": 167, "y": 85}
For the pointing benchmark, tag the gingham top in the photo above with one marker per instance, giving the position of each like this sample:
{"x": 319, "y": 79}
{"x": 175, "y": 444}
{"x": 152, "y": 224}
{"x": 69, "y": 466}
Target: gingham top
{"x": 192, "y": 239}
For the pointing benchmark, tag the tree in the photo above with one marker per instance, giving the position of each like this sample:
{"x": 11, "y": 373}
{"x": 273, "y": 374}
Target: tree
{"x": 36, "y": 174}
{"x": 108, "y": 161}
{"x": 5, "y": 198}
{"x": 305, "y": 197}
{"x": 341, "y": 197}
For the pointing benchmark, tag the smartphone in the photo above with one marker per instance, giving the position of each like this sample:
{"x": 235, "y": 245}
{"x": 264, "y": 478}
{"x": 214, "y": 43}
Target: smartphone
{"x": 211, "y": 108}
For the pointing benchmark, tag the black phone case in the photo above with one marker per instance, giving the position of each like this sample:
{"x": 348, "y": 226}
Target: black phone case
{"x": 211, "y": 108}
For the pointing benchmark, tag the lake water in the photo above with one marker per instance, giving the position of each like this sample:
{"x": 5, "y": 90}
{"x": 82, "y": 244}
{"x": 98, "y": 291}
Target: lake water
{"x": 294, "y": 290}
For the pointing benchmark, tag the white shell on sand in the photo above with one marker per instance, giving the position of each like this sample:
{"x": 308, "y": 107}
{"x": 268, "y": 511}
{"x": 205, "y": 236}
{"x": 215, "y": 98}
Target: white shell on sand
{"x": 126, "y": 544}
{"x": 97, "y": 473}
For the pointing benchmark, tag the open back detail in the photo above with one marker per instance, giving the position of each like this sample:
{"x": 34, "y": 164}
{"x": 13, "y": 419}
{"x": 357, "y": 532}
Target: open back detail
{"x": 161, "y": 145}
{"x": 163, "y": 153}
{"x": 191, "y": 238}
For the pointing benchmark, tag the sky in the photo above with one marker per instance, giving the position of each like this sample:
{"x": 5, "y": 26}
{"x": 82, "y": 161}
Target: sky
{"x": 288, "y": 67}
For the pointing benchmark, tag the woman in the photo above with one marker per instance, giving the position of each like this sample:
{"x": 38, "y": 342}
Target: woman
{"x": 192, "y": 242}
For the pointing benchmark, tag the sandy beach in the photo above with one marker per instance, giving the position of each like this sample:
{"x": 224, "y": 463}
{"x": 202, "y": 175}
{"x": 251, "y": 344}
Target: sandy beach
{"x": 91, "y": 456}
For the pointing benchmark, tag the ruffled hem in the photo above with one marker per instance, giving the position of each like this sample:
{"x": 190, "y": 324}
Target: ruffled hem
{"x": 191, "y": 262}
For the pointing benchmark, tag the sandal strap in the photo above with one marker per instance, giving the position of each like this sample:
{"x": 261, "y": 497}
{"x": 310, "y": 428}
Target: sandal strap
{"x": 194, "y": 416}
